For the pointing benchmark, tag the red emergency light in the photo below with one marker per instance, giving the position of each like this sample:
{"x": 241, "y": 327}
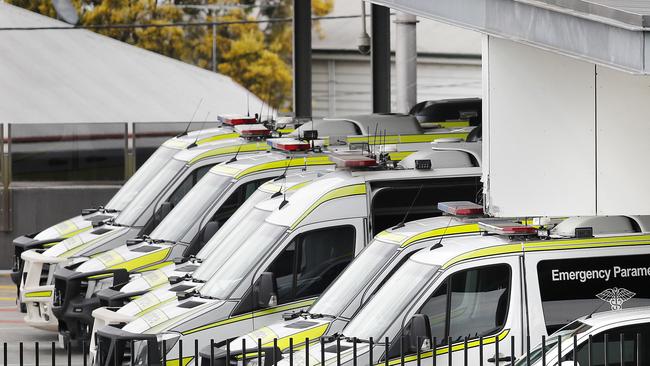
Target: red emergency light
{"x": 233, "y": 120}
{"x": 461, "y": 208}
{"x": 256, "y": 130}
{"x": 288, "y": 144}
{"x": 353, "y": 160}
{"x": 507, "y": 228}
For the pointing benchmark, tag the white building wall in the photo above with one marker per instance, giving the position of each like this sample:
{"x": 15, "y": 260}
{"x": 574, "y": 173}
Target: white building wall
{"x": 342, "y": 83}
{"x": 564, "y": 137}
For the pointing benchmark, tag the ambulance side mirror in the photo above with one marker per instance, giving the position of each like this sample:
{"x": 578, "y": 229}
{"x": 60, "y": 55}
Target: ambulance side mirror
{"x": 265, "y": 290}
{"x": 418, "y": 333}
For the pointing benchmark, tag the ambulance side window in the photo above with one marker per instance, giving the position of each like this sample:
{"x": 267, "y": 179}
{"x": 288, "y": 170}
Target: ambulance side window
{"x": 630, "y": 347}
{"x": 236, "y": 199}
{"x": 312, "y": 261}
{"x": 570, "y": 288}
{"x": 187, "y": 184}
{"x": 472, "y": 303}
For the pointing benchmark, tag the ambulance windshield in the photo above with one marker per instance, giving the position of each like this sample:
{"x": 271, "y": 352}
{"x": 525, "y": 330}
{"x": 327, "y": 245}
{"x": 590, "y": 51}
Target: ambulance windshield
{"x": 390, "y": 300}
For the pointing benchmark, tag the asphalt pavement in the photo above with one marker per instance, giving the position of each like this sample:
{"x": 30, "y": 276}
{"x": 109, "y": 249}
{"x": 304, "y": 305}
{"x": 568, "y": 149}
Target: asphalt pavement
{"x": 14, "y": 331}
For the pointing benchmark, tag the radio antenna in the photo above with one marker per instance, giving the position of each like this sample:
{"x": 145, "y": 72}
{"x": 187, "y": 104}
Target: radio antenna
{"x": 401, "y": 224}
{"x": 234, "y": 158}
{"x": 198, "y": 134}
{"x": 284, "y": 174}
{"x": 248, "y": 103}
{"x": 191, "y": 119}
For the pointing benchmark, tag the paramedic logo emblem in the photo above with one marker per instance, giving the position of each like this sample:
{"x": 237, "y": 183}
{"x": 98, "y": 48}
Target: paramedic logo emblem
{"x": 616, "y": 297}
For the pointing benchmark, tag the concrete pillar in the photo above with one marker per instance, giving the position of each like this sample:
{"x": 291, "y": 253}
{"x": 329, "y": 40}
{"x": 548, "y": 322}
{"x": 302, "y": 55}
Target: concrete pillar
{"x": 406, "y": 62}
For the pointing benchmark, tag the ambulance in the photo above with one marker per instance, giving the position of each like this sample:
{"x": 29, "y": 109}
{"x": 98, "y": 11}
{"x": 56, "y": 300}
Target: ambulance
{"x": 69, "y": 228}
{"x": 299, "y": 250}
{"x": 182, "y": 233}
{"x": 512, "y": 281}
{"x": 162, "y": 192}
{"x": 628, "y": 340}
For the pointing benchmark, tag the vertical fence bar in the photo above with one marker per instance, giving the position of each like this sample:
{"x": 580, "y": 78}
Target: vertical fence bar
{"x": 419, "y": 352}
{"x": 370, "y": 342}
{"x": 275, "y": 346}
{"x": 512, "y": 348}
{"x": 227, "y": 353}
{"x": 212, "y": 353}
{"x": 449, "y": 349}
{"x": 496, "y": 352}
{"x": 5, "y": 353}
{"x": 528, "y": 350}
{"x": 589, "y": 356}
{"x": 465, "y": 352}
{"x": 53, "y": 355}
{"x": 434, "y": 350}
{"x": 196, "y": 352}
{"x": 386, "y": 349}
{"x": 20, "y": 345}
{"x": 401, "y": 350}
{"x": 559, "y": 348}
{"x": 164, "y": 352}
{"x": 180, "y": 353}
{"x": 243, "y": 347}
{"x": 259, "y": 352}
{"x": 544, "y": 350}
{"x": 290, "y": 351}
{"x": 354, "y": 351}
{"x": 70, "y": 353}
{"x": 575, "y": 350}
{"x": 480, "y": 351}
{"x": 338, "y": 351}
{"x": 132, "y": 363}
{"x": 36, "y": 360}
{"x": 307, "y": 353}
{"x": 605, "y": 353}
{"x": 322, "y": 351}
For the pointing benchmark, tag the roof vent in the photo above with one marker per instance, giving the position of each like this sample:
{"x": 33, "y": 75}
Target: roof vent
{"x": 599, "y": 225}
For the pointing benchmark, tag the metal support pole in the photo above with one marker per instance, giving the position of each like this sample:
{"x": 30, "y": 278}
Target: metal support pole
{"x": 406, "y": 62}
{"x": 214, "y": 47}
{"x": 302, "y": 58}
{"x": 380, "y": 42}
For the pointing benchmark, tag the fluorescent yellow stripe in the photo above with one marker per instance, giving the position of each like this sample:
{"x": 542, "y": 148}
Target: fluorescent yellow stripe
{"x": 311, "y": 333}
{"x": 553, "y": 244}
{"x": 309, "y": 161}
{"x": 255, "y": 146}
{"x": 452, "y": 124}
{"x": 225, "y": 136}
{"x": 65, "y": 227}
{"x": 399, "y": 155}
{"x": 77, "y": 232}
{"x": 285, "y": 130}
{"x": 347, "y": 191}
{"x": 452, "y": 230}
{"x": 454, "y": 348}
{"x": 39, "y": 294}
{"x": 405, "y": 139}
{"x": 174, "y": 361}
{"x": 145, "y": 260}
{"x": 155, "y": 306}
{"x": 50, "y": 245}
{"x": 274, "y": 310}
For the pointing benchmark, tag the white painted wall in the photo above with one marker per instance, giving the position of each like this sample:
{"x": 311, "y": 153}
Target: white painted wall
{"x": 566, "y": 137}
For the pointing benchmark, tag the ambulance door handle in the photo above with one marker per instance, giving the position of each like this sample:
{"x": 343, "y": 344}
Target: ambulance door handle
{"x": 502, "y": 358}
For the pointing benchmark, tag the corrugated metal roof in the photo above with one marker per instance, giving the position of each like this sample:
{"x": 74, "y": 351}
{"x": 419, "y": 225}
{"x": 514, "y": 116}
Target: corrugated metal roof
{"x": 80, "y": 76}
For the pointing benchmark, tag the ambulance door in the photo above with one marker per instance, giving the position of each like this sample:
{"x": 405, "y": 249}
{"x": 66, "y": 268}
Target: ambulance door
{"x": 314, "y": 256}
{"x": 476, "y": 300}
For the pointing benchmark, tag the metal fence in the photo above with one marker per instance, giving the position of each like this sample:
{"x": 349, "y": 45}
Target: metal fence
{"x": 605, "y": 350}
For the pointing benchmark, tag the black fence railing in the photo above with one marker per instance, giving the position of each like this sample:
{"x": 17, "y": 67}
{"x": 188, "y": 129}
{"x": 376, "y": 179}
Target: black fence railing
{"x": 609, "y": 349}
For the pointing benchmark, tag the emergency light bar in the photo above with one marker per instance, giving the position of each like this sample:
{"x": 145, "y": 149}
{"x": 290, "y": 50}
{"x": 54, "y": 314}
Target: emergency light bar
{"x": 288, "y": 144}
{"x": 233, "y": 120}
{"x": 461, "y": 208}
{"x": 256, "y": 130}
{"x": 352, "y": 160}
{"x": 507, "y": 228}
